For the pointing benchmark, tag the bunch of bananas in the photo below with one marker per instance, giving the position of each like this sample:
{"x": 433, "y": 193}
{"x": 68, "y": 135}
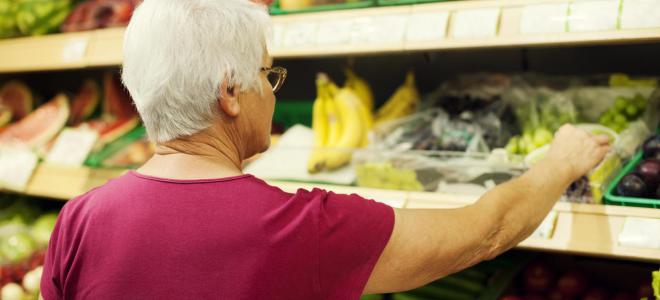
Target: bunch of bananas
{"x": 341, "y": 121}
{"x": 403, "y": 102}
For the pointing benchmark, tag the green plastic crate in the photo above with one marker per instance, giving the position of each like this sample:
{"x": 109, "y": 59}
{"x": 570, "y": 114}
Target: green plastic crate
{"x": 292, "y": 112}
{"x": 276, "y": 10}
{"x": 405, "y": 2}
{"x": 613, "y": 199}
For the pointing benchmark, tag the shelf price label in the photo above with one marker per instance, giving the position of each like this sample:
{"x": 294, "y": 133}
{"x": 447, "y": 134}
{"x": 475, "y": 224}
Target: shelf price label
{"x": 544, "y": 18}
{"x": 640, "y": 14}
{"x": 300, "y": 34}
{"x": 388, "y": 29}
{"x": 427, "y": 26}
{"x": 334, "y": 32}
{"x": 75, "y": 49}
{"x": 16, "y": 168}
{"x": 593, "y": 15}
{"x": 640, "y": 233}
{"x": 475, "y": 23}
{"x": 275, "y": 36}
{"x": 72, "y": 147}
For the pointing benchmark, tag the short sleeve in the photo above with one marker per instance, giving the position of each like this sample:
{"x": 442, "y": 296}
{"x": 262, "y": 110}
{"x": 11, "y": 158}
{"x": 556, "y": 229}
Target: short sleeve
{"x": 353, "y": 232}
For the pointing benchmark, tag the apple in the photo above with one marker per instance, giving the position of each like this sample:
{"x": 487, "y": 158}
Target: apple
{"x": 597, "y": 293}
{"x": 557, "y": 295}
{"x": 573, "y": 283}
{"x": 511, "y": 297}
{"x": 534, "y": 297}
{"x": 623, "y": 296}
{"x": 538, "y": 277}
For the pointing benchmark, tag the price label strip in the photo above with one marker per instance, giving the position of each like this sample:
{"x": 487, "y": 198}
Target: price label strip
{"x": 300, "y": 34}
{"x": 475, "y": 23}
{"x": 640, "y": 233}
{"x": 388, "y": 29}
{"x": 427, "y": 26}
{"x": 72, "y": 147}
{"x": 593, "y": 15}
{"x": 544, "y": 18}
{"x": 640, "y": 14}
{"x": 75, "y": 49}
{"x": 275, "y": 37}
{"x": 16, "y": 168}
{"x": 334, "y": 32}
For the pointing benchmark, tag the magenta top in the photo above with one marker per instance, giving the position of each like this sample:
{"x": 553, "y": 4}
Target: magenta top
{"x": 141, "y": 237}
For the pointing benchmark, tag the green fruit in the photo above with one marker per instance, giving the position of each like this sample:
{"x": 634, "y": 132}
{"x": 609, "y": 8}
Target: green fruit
{"x": 542, "y": 136}
{"x": 35, "y": 17}
{"x": 620, "y": 103}
{"x": 7, "y": 20}
{"x": 620, "y": 119}
{"x": 512, "y": 145}
{"x": 17, "y": 247}
{"x": 631, "y": 111}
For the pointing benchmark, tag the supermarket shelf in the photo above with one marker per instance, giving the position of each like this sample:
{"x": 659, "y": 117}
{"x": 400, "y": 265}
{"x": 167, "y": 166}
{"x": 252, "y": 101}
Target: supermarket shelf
{"x": 305, "y": 35}
{"x": 580, "y": 228}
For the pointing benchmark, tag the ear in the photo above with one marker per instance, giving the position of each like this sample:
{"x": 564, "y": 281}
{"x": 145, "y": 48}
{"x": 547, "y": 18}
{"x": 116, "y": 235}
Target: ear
{"x": 229, "y": 100}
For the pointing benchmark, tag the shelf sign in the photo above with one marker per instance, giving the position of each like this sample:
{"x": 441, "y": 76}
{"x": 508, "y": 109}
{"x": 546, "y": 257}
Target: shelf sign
{"x": 640, "y": 233}
{"x": 427, "y": 26}
{"x": 275, "y": 36}
{"x": 475, "y": 23}
{"x": 593, "y": 15}
{"x": 75, "y": 49}
{"x": 640, "y": 14}
{"x": 16, "y": 168}
{"x": 300, "y": 34}
{"x": 544, "y": 18}
{"x": 334, "y": 32}
{"x": 388, "y": 29}
{"x": 547, "y": 227}
{"x": 72, "y": 147}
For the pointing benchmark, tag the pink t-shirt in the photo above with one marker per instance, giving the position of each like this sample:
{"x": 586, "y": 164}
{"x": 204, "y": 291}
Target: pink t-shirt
{"x": 140, "y": 237}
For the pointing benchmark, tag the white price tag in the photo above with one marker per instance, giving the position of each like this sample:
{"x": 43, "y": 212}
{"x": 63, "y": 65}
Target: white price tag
{"x": 593, "y": 15}
{"x": 640, "y": 14}
{"x": 547, "y": 227}
{"x": 75, "y": 49}
{"x": 334, "y": 32}
{"x": 427, "y": 26}
{"x": 475, "y": 23}
{"x": 16, "y": 168}
{"x": 300, "y": 34}
{"x": 640, "y": 233}
{"x": 72, "y": 147}
{"x": 275, "y": 36}
{"x": 388, "y": 29}
{"x": 363, "y": 28}
{"x": 544, "y": 18}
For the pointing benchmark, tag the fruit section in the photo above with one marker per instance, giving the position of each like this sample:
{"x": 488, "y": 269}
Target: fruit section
{"x": 408, "y": 102}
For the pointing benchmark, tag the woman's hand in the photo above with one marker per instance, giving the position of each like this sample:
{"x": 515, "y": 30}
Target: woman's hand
{"x": 577, "y": 150}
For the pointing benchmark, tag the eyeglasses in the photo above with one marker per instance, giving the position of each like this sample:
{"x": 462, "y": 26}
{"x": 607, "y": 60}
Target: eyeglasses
{"x": 276, "y": 77}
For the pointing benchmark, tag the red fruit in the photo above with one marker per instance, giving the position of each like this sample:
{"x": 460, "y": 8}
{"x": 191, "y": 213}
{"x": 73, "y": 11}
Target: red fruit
{"x": 645, "y": 290}
{"x": 649, "y": 170}
{"x": 557, "y": 295}
{"x": 80, "y": 18}
{"x": 597, "y": 294}
{"x": 623, "y": 296}
{"x": 538, "y": 277}
{"x": 573, "y": 283}
{"x": 511, "y": 297}
{"x": 534, "y": 297}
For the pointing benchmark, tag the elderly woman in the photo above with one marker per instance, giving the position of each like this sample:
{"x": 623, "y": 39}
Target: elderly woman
{"x": 190, "y": 225}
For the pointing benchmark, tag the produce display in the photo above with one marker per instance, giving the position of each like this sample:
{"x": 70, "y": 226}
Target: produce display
{"x": 34, "y": 17}
{"x": 623, "y": 111}
{"x": 644, "y": 180}
{"x": 93, "y": 14}
{"x": 24, "y": 234}
{"x": 40, "y": 126}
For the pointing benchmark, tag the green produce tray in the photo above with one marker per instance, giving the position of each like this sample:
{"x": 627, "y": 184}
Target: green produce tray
{"x": 406, "y": 2}
{"x": 612, "y": 199}
{"x": 292, "y": 112}
{"x": 276, "y": 10}
{"x": 494, "y": 276}
{"x": 95, "y": 160}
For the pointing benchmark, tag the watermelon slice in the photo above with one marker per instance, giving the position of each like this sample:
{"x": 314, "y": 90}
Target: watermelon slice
{"x": 40, "y": 126}
{"x": 111, "y": 130}
{"x": 5, "y": 115}
{"x": 17, "y": 97}
{"x": 117, "y": 101}
{"x": 85, "y": 102}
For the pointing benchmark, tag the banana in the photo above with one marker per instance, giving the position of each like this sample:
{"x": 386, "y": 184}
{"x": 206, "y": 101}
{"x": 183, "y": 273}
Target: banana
{"x": 361, "y": 88}
{"x": 352, "y": 129}
{"x": 316, "y": 160}
{"x": 402, "y": 103}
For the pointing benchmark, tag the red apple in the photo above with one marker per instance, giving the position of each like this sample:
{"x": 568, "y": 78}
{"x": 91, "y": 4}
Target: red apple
{"x": 573, "y": 283}
{"x": 623, "y": 296}
{"x": 645, "y": 290}
{"x": 511, "y": 297}
{"x": 538, "y": 277}
{"x": 597, "y": 293}
{"x": 534, "y": 297}
{"x": 557, "y": 295}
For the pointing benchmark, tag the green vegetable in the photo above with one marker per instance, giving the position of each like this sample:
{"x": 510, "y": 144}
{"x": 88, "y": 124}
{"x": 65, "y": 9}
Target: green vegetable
{"x": 41, "y": 17}
{"x": 438, "y": 292}
{"x": 17, "y": 247}
{"x": 656, "y": 283}
{"x": 43, "y": 228}
{"x": 455, "y": 282}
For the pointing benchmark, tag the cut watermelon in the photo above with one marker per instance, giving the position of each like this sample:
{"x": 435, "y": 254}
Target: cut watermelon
{"x": 85, "y": 102}
{"x": 5, "y": 115}
{"x": 40, "y": 126}
{"x": 111, "y": 130}
{"x": 117, "y": 101}
{"x": 17, "y": 97}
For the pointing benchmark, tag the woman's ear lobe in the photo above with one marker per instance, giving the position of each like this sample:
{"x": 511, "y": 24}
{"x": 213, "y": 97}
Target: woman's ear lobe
{"x": 229, "y": 100}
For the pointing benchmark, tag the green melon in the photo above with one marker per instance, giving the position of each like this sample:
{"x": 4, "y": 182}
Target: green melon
{"x": 38, "y": 17}
{"x": 7, "y": 20}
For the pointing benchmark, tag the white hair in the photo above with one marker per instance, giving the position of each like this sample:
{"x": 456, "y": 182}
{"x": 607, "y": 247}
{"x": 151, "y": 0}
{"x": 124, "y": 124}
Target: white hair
{"x": 177, "y": 53}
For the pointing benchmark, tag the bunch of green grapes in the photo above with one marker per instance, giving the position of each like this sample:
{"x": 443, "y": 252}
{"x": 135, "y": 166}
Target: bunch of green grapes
{"x": 622, "y": 112}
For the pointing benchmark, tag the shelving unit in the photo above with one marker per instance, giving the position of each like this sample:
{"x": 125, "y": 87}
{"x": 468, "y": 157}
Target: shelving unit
{"x": 579, "y": 228}
{"x": 388, "y": 30}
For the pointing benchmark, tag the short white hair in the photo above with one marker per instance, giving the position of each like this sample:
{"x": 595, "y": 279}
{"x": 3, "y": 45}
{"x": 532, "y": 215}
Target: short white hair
{"x": 177, "y": 53}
